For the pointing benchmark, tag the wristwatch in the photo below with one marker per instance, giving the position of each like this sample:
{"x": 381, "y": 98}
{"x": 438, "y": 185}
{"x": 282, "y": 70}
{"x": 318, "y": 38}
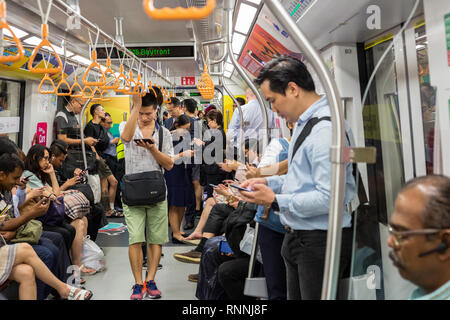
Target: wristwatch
{"x": 275, "y": 206}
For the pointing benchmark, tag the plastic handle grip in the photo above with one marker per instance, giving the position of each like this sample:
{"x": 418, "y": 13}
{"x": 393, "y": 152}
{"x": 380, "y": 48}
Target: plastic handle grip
{"x": 94, "y": 64}
{"x": 111, "y": 72}
{"x": 48, "y": 79}
{"x": 44, "y": 43}
{"x": 76, "y": 87}
{"x": 96, "y": 92}
{"x": 63, "y": 82}
{"x": 103, "y": 98}
{"x": 124, "y": 77}
{"x": 4, "y": 25}
{"x": 87, "y": 96}
{"x": 178, "y": 13}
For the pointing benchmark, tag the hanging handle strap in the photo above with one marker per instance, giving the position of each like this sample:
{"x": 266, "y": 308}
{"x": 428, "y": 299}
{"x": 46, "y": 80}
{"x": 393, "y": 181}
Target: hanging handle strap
{"x": 179, "y": 13}
{"x": 47, "y": 78}
{"x": 4, "y": 25}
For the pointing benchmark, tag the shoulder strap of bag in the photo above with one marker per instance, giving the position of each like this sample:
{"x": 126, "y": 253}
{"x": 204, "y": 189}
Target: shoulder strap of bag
{"x": 161, "y": 138}
{"x": 306, "y": 131}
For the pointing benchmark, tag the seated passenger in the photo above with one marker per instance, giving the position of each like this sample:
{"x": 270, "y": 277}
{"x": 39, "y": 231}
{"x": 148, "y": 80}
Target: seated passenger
{"x": 420, "y": 236}
{"x": 20, "y": 263}
{"x": 76, "y": 206}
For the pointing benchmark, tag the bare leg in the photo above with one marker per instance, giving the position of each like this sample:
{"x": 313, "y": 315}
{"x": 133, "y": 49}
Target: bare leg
{"x": 105, "y": 196}
{"x": 80, "y": 226}
{"x": 198, "y": 194}
{"x": 112, "y": 188}
{"x": 175, "y": 218}
{"x": 24, "y": 275}
{"x": 26, "y": 255}
{"x": 136, "y": 258}
{"x": 197, "y": 233}
{"x": 153, "y": 258}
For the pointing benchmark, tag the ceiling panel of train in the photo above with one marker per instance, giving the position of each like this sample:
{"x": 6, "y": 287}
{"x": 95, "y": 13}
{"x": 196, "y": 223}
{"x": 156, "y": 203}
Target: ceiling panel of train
{"x": 324, "y": 23}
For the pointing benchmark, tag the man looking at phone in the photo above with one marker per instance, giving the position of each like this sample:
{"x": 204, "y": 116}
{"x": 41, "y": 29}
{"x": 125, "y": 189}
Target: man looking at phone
{"x": 302, "y": 196}
{"x": 142, "y": 157}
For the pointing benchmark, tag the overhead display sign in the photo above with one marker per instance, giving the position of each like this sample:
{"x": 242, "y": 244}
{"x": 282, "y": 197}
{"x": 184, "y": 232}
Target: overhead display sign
{"x": 149, "y": 52}
{"x": 266, "y": 40}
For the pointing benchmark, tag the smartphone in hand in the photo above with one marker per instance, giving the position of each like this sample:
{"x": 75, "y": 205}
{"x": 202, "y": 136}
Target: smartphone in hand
{"x": 144, "y": 140}
{"x": 240, "y": 188}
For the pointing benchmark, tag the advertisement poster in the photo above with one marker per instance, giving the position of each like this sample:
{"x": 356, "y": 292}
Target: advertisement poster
{"x": 266, "y": 40}
{"x": 42, "y": 133}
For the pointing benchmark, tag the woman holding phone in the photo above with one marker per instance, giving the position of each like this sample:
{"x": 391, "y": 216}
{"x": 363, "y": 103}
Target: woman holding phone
{"x": 179, "y": 188}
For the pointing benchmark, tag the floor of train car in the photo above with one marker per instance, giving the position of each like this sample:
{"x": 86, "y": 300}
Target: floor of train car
{"x": 116, "y": 281}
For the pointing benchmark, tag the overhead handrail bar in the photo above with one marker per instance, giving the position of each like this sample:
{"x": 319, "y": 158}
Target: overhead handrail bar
{"x": 179, "y": 13}
{"x": 334, "y": 235}
{"x": 4, "y": 25}
{"x": 66, "y": 9}
{"x": 44, "y": 42}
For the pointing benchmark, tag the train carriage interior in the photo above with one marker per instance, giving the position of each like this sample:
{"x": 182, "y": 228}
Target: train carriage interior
{"x": 383, "y": 65}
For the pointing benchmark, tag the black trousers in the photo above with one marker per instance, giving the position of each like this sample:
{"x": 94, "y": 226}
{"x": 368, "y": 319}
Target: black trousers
{"x": 304, "y": 255}
{"x": 270, "y": 243}
{"x": 232, "y": 275}
{"x": 66, "y": 230}
{"x": 216, "y": 218}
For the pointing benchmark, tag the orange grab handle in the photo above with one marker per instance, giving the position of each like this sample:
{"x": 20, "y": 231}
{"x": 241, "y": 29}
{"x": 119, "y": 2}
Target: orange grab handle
{"x": 76, "y": 87}
{"x": 131, "y": 84}
{"x": 4, "y": 25}
{"x": 103, "y": 98}
{"x": 44, "y": 79}
{"x": 94, "y": 64}
{"x": 178, "y": 13}
{"x": 63, "y": 81}
{"x": 110, "y": 71}
{"x": 44, "y": 43}
{"x": 139, "y": 88}
{"x": 84, "y": 93}
{"x": 122, "y": 76}
{"x": 94, "y": 94}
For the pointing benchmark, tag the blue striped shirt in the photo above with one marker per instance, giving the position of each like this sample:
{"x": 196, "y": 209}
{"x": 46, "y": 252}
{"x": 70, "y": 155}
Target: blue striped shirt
{"x": 303, "y": 194}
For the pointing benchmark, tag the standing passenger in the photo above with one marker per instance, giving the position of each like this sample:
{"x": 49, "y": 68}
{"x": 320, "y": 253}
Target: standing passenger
{"x": 302, "y": 196}
{"x": 152, "y": 219}
{"x": 174, "y": 110}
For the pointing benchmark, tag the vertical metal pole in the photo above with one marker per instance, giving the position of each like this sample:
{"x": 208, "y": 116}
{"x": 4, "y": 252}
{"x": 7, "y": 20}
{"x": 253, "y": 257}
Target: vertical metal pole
{"x": 229, "y": 9}
{"x": 83, "y": 146}
{"x": 334, "y": 235}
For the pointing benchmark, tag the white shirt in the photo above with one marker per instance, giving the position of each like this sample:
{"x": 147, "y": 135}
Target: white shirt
{"x": 138, "y": 159}
{"x": 253, "y": 122}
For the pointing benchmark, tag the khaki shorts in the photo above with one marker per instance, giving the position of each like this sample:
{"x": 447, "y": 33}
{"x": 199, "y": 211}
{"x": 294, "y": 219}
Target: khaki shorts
{"x": 103, "y": 170}
{"x": 152, "y": 220}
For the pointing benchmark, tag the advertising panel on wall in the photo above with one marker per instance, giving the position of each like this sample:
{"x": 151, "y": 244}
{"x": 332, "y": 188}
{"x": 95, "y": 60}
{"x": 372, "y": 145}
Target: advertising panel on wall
{"x": 266, "y": 40}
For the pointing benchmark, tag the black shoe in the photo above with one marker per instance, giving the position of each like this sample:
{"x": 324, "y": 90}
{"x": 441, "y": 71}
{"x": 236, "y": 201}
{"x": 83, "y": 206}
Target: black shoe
{"x": 188, "y": 225}
{"x": 176, "y": 241}
{"x": 159, "y": 266}
{"x": 198, "y": 213}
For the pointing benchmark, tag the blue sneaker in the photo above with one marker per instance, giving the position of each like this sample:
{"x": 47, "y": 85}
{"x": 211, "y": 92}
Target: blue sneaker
{"x": 138, "y": 292}
{"x": 152, "y": 290}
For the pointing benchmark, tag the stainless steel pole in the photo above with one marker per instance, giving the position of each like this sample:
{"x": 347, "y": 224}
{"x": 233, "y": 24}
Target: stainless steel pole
{"x": 337, "y": 149}
{"x": 229, "y": 9}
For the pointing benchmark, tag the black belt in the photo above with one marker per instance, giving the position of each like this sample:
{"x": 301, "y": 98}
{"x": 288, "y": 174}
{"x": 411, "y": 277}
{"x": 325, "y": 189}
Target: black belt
{"x": 290, "y": 230}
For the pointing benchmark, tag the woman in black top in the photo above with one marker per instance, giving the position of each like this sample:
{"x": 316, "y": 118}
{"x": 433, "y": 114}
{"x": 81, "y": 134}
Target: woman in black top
{"x": 215, "y": 139}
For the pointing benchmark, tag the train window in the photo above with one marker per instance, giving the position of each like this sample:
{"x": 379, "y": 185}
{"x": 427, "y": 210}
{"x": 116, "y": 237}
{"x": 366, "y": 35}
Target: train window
{"x": 10, "y": 109}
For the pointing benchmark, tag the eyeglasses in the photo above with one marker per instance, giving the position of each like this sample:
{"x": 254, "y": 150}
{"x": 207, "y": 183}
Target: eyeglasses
{"x": 400, "y": 236}
{"x": 109, "y": 122}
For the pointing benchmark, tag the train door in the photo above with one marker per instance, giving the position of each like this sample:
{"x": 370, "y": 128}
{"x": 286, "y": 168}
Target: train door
{"x": 399, "y": 120}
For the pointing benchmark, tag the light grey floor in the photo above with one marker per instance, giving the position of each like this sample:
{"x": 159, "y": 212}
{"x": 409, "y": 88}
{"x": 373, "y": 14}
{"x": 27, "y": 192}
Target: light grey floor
{"x": 115, "y": 283}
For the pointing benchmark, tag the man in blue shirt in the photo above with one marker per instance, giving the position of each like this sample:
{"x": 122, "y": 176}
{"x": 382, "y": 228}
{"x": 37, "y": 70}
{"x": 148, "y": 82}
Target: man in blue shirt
{"x": 420, "y": 236}
{"x": 302, "y": 196}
